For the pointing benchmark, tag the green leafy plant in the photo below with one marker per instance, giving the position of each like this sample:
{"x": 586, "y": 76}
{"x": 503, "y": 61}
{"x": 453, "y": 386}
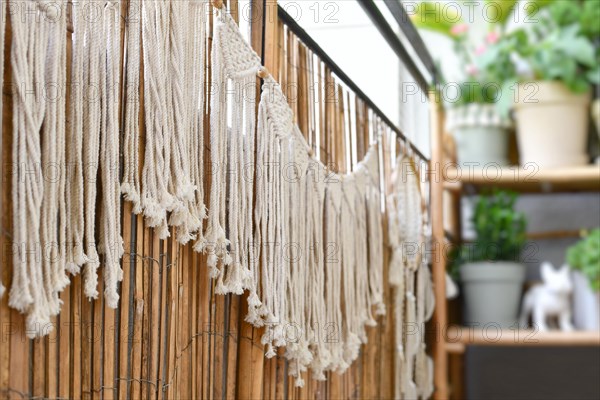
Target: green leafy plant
{"x": 561, "y": 46}
{"x": 584, "y": 256}
{"x": 478, "y": 84}
{"x": 500, "y": 231}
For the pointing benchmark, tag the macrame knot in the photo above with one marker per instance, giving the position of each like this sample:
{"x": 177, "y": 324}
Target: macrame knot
{"x": 50, "y": 8}
{"x": 270, "y": 351}
{"x": 212, "y": 262}
{"x": 163, "y": 230}
{"x": 111, "y": 297}
{"x": 234, "y": 282}
{"x": 19, "y": 299}
{"x": 131, "y": 194}
{"x": 299, "y": 382}
{"x": 220, "y": 287}
{"x": 201, "y": 244}
{"x": 279, "y": 335}
{"x": 37, "y": 324}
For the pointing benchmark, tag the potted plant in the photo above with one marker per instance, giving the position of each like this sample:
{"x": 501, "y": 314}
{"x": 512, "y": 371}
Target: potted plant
{"x": 489, "y": 268}
{"x": 552, "y": 98}
{"x": 584, "y": 259}
{"x": 479, "y": 130}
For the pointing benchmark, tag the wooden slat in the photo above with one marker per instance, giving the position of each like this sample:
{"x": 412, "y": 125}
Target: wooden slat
{"x": 137, "y": 311}
{"x": 529, "y": 178}
{"x": 155, "y": 317}
{"x": 438, "y": 267}
{"x": 496, "y": 337}
{"x": 220, "y": 364}
{"x": 129, "y": 260}
{"x": 76, "y": 333}
{"x": 96, "y": 339}
{"x": 87, "y": 328}
{"x": 63, "y": 363}
{"x": 146, "y": 272}
{"x": 232, "y": 337}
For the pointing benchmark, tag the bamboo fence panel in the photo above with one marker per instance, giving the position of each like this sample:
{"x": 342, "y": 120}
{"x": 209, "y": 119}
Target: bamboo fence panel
{"x": 172, "y": 337}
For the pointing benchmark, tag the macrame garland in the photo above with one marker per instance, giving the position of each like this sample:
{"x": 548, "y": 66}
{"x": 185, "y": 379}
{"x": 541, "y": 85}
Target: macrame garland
{"x": 38, "y": 57}
{"x": 307, "y": 244}
{"x": 274, "y": 124}
{"x": 410, "y": 275}
{"x": 235, "y": 65}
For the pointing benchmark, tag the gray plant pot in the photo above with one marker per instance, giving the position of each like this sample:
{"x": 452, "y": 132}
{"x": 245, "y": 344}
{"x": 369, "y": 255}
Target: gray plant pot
{"x": 480, "y": 133}
{"x": 481, "y": 146}
{"x": 492, "y": 293}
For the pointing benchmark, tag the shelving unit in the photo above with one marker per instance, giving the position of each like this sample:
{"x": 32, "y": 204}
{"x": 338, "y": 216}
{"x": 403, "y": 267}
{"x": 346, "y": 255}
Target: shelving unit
{"x": 524, "y": 179}
{"x": 459, "y": 337}
{"x": 456, "y": 182}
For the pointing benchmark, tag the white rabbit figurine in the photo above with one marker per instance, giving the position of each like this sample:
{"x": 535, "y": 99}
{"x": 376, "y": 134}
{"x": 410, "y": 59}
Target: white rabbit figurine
{"x": 549, "y": 299}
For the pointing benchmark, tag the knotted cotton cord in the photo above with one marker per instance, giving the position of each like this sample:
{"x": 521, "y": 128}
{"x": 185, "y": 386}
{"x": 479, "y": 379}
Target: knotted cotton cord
{"x": 196, "y": 104}
{"x": 353, "y": 316}
{"x": 75, "y": 208}
{"x": 94, "y": 46}
{"x": 334, "y": 315}
{"x": 130, "y": 186}
{"x": 274, "y": 125}
{"x": 156, "y": 199}
{"x": 37, "y": 54}
{"x": 53, "y": 162}
{"x": 409, "y": 234}
{"x": 111, "y": 242}
{"x": 375, "y": 234}
{"x": 232, "y": 150}
{"x": 183, "y": 214}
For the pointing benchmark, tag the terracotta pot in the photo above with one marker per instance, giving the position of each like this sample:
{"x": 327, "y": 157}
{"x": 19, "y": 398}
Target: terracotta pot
{"x": 552, "y": 124}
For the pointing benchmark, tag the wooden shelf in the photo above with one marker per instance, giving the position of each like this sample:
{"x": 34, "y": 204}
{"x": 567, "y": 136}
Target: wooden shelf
{"x": 459, "y": 337}
{"x": 532, "y": 179}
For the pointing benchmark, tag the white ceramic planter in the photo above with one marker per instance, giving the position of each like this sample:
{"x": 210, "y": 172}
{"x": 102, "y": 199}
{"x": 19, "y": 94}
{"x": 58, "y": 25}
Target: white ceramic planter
{"x": 481, "y": 135}
{"x": 596, "y": 115}
{"x": 552, "y": 124}
{"x": 586, "y": 304}
{"x": 492, "y": 292}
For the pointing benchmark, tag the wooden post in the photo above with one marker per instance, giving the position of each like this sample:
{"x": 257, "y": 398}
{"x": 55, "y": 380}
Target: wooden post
{"x": 439, "y": 265}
